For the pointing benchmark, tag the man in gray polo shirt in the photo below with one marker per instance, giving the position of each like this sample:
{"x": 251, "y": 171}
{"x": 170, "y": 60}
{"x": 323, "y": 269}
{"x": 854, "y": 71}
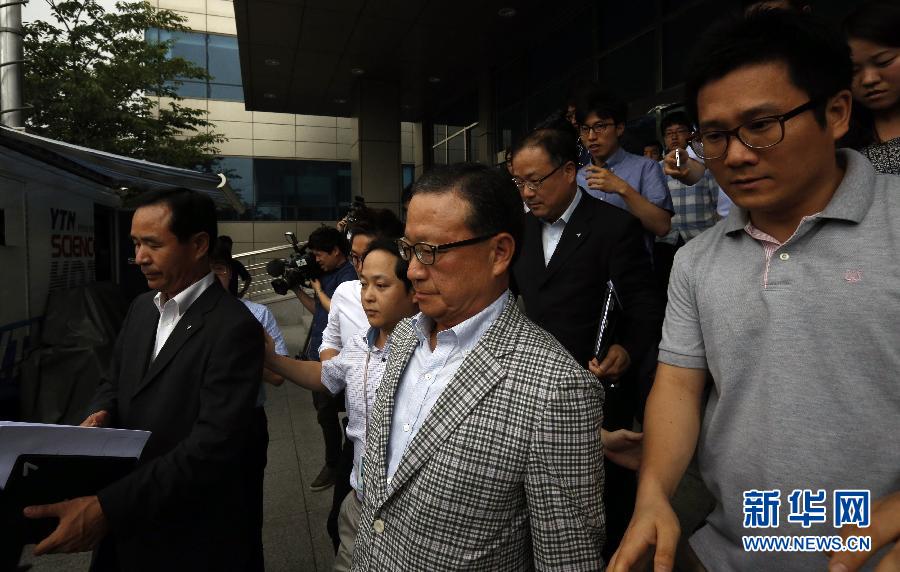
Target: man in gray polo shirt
{"x": 792, "y": 305}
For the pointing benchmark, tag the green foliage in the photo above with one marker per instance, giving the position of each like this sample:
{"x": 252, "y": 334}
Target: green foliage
{"x": 92, "y": 79}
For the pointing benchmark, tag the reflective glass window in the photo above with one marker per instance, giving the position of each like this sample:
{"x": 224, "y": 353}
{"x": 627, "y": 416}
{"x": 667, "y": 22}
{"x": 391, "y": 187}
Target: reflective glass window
{"x": 224, "y": 63}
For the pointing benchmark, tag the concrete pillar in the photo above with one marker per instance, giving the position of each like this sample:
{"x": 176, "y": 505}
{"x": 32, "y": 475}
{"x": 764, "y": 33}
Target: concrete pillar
{"x": 375, "y": 154}
{"x": 484, "y": 140}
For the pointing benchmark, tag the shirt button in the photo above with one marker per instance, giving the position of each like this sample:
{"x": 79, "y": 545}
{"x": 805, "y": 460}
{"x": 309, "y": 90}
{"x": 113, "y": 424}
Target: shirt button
{"x": 428, "y": 376}
{"x": 378, "y": 526}
{"x": 406, "y": 427}
{"x": 784, "y": 256}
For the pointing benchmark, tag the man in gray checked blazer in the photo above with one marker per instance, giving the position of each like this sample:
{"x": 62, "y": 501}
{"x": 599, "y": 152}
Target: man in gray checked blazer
{"x": 483, "y": 451}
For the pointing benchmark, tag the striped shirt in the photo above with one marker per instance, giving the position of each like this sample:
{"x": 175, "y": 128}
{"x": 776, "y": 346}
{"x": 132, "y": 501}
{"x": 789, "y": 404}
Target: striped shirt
{"x": 348, "y": 371}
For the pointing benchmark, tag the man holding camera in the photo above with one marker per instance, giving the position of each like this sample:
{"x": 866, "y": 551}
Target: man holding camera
{"x": 329, "y": 246}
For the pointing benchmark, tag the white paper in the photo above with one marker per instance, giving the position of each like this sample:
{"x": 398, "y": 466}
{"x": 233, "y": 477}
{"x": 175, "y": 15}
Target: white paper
{"x": 41, "y": 439}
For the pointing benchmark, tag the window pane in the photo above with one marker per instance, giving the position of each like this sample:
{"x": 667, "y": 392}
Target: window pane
{"x": 192, "y": 89}
{"x": 440, "y": 154}
{"x": 227, "y": 92}
{"x": 409, "y": 175}
{"x": 188, "y": 45}
{"x": 224, "y": 65}
{"x": 456, "y": 148}
{"x": 621, "y": 20}
{"x": 631, "y": 68}
{"x": 300, "y": 190}
{"x": 239, "y": 171}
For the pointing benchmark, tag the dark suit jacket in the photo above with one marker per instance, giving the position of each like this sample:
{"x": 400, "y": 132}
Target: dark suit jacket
{"x": 185, "y": 505}
{"x": 600, "y": 242}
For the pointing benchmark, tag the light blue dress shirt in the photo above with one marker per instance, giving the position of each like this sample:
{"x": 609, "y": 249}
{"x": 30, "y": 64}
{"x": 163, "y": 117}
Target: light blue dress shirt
{"x": 644, "y": 175}
{"x": 428, "y": 373}
{"x": 265, "y": 317}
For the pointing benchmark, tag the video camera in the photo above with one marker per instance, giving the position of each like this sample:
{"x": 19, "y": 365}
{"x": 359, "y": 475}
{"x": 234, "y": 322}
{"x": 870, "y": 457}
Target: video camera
{"x": 294, "y": 271}
{"x": 357, "y": 208}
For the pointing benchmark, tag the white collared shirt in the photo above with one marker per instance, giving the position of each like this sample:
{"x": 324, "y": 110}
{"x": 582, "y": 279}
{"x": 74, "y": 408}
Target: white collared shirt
{"x": 345, "y": 318}
{"x": 429, "y": 372}
{"x": 552, "y": 232}
{"x": 171, "y": 312}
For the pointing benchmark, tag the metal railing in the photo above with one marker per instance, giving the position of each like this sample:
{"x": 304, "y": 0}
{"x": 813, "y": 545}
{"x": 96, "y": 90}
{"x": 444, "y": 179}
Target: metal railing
{"x": 255, "y": 262}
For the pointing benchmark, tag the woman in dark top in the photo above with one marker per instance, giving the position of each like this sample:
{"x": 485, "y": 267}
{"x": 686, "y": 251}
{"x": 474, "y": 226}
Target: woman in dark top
{"x": 873, "y": 33}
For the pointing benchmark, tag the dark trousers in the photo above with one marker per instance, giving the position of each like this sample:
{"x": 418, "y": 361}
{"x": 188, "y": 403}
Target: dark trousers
{"x": 327, "y": 408}
{"x": 663, "y": 257}
{"x": 620, "y": 491}
{"x": 255, "y": 483}
{"x": 341, "y": 489}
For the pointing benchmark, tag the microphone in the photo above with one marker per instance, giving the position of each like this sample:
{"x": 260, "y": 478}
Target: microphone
{"x": 275, "y": 267}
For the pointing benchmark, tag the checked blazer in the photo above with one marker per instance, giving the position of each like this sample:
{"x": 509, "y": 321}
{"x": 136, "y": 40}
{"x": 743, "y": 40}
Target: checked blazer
{"x": 506, "y": 472}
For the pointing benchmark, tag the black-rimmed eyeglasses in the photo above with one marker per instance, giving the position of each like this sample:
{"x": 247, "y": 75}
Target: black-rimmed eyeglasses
{"x": 597, "y": 128}
{"x": 534, "y": 185}
{"x": 427, "y": 253}
{"x": 759, "y": 133}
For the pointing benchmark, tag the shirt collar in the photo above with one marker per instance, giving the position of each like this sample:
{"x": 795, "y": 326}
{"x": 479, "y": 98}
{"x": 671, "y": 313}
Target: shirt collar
{"x": 616, "y": 157}
{"x": 467, "y": 333}
{"x": 851, "y": 200}
{"x": 569, "y": 210}
{"x": 186, "y": 297}
{"x": 370, "y": 336}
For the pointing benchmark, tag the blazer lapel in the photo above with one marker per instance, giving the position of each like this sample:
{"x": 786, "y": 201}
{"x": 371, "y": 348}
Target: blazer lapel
{"x": 189, "y": 324}
{"x": 403, "y": 344}
{"x": 533, "y": 248}
{"x": 477, "y": 375}
{"x": 145, "y": 337}
{"x": 574, "y": 235}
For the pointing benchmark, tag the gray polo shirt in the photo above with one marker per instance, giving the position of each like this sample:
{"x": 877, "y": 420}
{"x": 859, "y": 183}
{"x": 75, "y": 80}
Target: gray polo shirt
{"x": 804, "y": 348}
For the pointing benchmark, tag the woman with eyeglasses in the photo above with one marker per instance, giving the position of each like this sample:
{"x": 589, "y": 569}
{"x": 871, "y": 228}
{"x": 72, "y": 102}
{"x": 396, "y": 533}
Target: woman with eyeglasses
{"x": 873, "y": 33}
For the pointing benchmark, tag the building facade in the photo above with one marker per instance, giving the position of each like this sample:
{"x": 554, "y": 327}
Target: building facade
{"x": 294, "y": 172}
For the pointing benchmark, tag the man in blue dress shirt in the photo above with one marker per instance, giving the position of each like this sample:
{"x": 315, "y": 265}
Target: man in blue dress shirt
{"x": 631, "y": 182}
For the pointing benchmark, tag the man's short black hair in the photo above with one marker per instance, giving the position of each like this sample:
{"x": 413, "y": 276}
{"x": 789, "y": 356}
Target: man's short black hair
{"x": 654, "y": 143}
{"x": 751, "y": 6}
{"x": 556, "y": 137}
{"x": 378, "y": 223}
{"x": 877, "y": 21}
{"x": 494, "y": 202}
{"x": 327, "y": 238}
{"x": 220, "y": 253}
{"x": 674, "y": 118}
{"x": 192, "y": 212}
{"x": 390, "y": 246}
{"x": 605, "y": 104}
{"x": 817, "y": 57}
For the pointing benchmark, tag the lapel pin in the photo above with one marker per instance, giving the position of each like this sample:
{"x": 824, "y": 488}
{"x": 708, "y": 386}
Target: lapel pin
{"x": 577, "y": 235}
{"x": 188, "y": 327}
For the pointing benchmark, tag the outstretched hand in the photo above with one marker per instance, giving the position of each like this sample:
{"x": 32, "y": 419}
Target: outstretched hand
{"x": 622, "y": 447}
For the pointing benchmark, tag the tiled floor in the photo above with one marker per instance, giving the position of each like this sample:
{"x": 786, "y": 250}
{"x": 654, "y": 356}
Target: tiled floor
{"x": 294, "y": 533}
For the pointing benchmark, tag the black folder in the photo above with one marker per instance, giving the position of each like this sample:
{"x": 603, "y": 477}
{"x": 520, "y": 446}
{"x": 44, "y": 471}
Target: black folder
{"x": 609, "y": 317}
{"x": 46, "y": 479}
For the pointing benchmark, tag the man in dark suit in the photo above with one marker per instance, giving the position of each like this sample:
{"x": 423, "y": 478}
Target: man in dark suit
{"x": 186, "y": 367}
{"x": 573, "y": 244}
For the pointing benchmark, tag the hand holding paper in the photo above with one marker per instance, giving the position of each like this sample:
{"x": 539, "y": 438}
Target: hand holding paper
{"x": 98, "y": 419}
